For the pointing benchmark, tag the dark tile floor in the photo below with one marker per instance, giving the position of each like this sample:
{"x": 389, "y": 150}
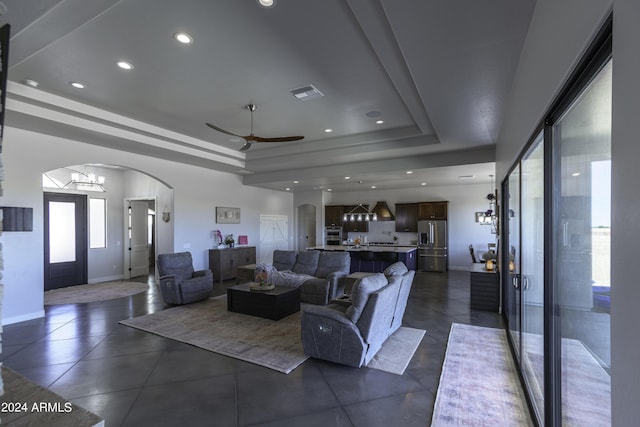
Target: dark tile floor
{"x": 132, "y": 378}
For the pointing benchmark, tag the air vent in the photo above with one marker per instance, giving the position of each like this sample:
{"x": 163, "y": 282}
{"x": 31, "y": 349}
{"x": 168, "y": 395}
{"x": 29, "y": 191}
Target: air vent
{"x": 306, "y": 92}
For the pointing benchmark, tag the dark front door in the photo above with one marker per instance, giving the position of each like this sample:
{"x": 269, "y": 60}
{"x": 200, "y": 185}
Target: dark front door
{"x": 65, "y": 240}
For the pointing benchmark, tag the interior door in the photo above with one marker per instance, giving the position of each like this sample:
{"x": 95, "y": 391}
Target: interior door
{"x": 274, "y": 234}
{"x": 65, "y": 240}
{"x": 138, "y": 237}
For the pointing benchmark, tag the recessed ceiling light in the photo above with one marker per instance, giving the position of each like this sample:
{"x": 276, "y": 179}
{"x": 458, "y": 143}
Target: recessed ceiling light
{"x": 296, "y": 182}
{"x": 379, "y": 122}
{"x": 423, "y": 183}
{"x": 267, "y": 3}
{"x": 31, "y": 83}
{"x": 409, "y": 172}
{"x": 124, "y": 65}
{"x": 288, "y": 189}
{"x": 183, "y": 38}
{"x": 575, "y": 174}
{"x": 328, "y": 189}
{"x": 373, "y": 186}
{"x": 347, "y": 177}
{"x": 328, "y": 130}
{"x": 77, "y": 85}
{"x": 466, "y": 177}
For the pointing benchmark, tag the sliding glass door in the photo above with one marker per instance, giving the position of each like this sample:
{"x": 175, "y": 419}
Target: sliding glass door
{"x": 512, "y": 252}
{"x": 556, "y": 252}
{"x": 582, "y": 139}
{"x": 532, "y": 271}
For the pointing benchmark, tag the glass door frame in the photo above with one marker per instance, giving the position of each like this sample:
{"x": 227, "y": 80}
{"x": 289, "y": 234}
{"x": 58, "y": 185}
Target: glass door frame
{"x": 595, "y": 58}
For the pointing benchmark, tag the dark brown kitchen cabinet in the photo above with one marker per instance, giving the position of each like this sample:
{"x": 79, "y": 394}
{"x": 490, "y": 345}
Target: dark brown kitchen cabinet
{"x": 432, "y": 210}
{"x": 355, "y": 226}
{"x": 333, "y": 215}
{"x": 407, "y": 217}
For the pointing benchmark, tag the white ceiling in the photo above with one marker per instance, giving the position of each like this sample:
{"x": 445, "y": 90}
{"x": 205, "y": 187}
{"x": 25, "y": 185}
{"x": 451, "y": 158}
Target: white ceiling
{"x": 438, "y": 72}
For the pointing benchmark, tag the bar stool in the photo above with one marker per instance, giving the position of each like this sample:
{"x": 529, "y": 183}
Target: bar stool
{"x": 387, "y": 258}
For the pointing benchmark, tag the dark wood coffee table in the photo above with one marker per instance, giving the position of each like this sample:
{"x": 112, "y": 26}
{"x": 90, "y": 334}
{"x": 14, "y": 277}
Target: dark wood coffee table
{"x": 274, "y": 304}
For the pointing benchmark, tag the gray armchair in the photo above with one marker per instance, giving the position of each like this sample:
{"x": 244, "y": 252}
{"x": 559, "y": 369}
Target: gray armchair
{"x": 352, "y": 335}
{"x": 179, "y": 283}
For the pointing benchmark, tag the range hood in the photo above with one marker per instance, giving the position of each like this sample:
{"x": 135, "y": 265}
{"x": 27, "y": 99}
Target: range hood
{"x": 382, "y": 211}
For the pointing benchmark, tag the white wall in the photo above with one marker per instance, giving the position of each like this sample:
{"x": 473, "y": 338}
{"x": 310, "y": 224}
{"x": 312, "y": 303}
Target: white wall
{"x": 625, "y": 202}
{"x": 464, "y": 201}
{"x": 197, "y": 192}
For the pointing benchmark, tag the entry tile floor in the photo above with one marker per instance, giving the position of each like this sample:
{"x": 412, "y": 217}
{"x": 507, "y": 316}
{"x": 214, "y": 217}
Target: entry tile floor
{"x": 133, "y": 378}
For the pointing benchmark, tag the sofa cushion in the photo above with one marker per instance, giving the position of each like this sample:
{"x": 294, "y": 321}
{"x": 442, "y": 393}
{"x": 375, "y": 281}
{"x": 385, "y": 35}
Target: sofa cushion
{"x": 396, "y": 269}
{"x": 307, "y": 262}
{"x": 360, "y": 294}
{"x": 284, "y": 260}
{"x": 329, "y": 262}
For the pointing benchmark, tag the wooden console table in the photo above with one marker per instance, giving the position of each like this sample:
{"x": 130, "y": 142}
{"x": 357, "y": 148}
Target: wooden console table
{"x": 223, "y": 262}
{"x": 485, "y": 289}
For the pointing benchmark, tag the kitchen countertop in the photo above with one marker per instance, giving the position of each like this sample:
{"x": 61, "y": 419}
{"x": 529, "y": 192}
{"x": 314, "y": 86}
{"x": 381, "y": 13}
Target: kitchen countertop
{"x": 383, "y": 248}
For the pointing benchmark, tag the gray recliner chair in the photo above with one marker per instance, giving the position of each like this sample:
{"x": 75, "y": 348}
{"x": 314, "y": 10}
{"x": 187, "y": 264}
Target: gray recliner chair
{"x": 352, "y": 335}
{"x": 179, "y": 283}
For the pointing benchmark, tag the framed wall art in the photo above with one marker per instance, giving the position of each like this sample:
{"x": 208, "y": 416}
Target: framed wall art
{"x": 227, "y": 215}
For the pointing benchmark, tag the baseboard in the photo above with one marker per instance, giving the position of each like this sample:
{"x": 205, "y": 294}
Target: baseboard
{"x": 23, "y": 317}
{"x": 106, "y": 279}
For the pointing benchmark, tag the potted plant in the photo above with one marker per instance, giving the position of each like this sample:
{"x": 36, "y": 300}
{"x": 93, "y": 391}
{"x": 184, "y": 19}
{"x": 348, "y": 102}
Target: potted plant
{"x": 229, "y": 241}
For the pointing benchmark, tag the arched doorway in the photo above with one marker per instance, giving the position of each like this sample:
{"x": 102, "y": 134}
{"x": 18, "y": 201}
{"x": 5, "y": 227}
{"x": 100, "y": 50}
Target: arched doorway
{"x": 108, "y": 191}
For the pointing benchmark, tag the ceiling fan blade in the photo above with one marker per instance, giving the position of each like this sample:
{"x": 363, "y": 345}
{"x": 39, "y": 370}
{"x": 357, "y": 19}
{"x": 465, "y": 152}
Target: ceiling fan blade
{"x": 223, "y": 131}
{"x": 280, "y": 139}
{"x": 246, "y": 146}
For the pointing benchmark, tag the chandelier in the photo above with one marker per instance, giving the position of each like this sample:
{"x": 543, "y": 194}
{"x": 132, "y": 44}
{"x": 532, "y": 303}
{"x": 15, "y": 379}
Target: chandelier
{"x": 489, "y": 216}
{"x": 359, "y": 213}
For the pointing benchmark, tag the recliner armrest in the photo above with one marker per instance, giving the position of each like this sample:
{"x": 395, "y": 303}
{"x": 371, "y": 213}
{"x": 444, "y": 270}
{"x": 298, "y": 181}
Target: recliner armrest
{"x": 170, "y": 290}
{"x": 202, "y": 273}
{"x": 329, "y": 313}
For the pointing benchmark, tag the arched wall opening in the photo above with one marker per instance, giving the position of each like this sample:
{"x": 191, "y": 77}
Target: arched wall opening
{"x": 115, "y": 189}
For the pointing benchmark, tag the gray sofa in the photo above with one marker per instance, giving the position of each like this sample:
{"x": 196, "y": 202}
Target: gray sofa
{"x": 316, "y": 273}
{"x": 352, "y": 332}
{"x": 179, "y": 283}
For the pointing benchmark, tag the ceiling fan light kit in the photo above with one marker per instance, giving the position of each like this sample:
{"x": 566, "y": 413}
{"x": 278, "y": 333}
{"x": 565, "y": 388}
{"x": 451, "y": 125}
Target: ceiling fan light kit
{"x": 251, "y": 138}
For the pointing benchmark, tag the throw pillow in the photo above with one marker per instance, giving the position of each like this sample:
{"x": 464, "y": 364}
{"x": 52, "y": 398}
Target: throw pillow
{"x": 360, "y": 294}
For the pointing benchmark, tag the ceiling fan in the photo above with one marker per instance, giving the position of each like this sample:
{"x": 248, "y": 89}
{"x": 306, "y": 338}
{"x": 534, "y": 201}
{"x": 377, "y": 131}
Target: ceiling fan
{"x": 251, "y": 138}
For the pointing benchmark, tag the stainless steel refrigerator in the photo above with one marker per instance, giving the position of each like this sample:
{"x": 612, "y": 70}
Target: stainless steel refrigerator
{"x": 433, "y": 250}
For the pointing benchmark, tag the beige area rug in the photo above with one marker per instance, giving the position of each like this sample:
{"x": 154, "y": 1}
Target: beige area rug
{"x": 479, "y": 384}
{"x": 272, "y": 344}
{"x": 94, "y": 292}
{"x": 397, "y": 350}
{"x": 25, "y": 403}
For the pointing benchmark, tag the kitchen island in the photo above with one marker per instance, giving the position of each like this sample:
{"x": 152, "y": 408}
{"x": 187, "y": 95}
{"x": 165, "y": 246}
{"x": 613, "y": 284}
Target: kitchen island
{"x": 373, "y": 258}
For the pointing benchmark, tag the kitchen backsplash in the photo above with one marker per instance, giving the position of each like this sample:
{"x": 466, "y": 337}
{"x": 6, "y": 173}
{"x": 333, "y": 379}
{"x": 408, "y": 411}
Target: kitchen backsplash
{"x": 383, "y": 231}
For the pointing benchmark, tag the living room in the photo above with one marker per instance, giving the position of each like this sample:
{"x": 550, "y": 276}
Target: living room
{"x": 556, "y": 30}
